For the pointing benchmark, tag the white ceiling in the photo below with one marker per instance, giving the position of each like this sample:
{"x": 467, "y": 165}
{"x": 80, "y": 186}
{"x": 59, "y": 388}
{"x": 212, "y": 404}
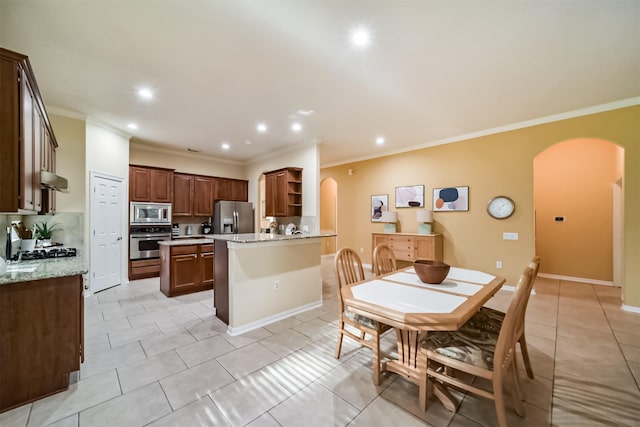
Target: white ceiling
{"x": 435, "y": 69}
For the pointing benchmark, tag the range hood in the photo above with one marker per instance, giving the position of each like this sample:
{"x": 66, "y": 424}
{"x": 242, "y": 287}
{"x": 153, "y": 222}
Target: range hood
{"x": 53, "y": 181}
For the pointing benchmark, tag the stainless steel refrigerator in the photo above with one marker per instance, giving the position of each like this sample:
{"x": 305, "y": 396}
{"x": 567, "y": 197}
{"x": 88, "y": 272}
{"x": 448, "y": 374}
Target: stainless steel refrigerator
{"x": 233, "y": 217}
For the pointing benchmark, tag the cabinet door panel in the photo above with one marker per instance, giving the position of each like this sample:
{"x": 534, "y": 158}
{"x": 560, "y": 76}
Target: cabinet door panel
{"x": 139, "y": 184}
{"x": 281, "y": 198}
{"x": 203, "y": 199}
{"x": 207, "y": 266}
{"x": 184, "y": 271}
{"x": 223, "y": 189}
{"x": 239, "y": 190}
{"x": 270, "y": 195}
{"x": 182, "y": 195}
{"x": 429, "y": 247}
{"x": 27, "y": 148}
{"x": 160, "y": 186}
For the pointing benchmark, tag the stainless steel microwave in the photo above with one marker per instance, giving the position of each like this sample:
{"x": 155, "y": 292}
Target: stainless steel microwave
{"x": 150, "y": 213}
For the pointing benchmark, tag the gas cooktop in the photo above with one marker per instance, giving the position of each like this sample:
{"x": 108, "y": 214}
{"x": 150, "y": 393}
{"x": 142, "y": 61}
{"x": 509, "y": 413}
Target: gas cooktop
{"x": 45, "y": 254}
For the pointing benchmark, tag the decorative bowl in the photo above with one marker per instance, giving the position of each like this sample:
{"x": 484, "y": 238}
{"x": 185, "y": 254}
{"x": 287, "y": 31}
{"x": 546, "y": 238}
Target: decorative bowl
{"x": 429, "y": 271}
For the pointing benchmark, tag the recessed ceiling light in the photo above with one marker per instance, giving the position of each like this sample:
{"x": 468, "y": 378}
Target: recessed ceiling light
{"x": 132, "y": 126}
{"x": 360, "y": 37}
{"x": 262, "y": 128}
{"x": 145, "y": 93}
{"x": 380, "y": 140}
{"x": 246, "y": 141}
{"x": 306, "y": 112}
{"x": 296, "y": 127}
{"x": 225, "y": 146}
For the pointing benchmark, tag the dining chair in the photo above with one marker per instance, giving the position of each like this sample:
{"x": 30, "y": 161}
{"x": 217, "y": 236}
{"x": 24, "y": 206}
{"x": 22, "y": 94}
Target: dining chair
{"x": 384, "y": 260}
{"x": 490, "y": 319}
{"x": 348, "y": 269}
{"x": 478, "y": 353}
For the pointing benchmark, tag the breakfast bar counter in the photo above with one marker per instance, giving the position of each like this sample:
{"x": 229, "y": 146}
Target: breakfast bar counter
{"x": 261, "y": 278}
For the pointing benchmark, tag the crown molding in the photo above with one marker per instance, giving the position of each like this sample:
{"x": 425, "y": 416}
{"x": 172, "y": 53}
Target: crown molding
{"x": 139, "y": 145}
{"x": 629, "y": 102}
{"x": 107, "y": 126}
{"x": 67, "y": 113}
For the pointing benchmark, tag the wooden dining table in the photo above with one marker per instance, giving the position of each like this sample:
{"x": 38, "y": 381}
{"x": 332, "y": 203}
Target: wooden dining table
{"x": 400, "y": 299}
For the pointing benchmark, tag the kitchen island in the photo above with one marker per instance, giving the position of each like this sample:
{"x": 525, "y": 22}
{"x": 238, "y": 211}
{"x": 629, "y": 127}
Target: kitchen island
{"x": 261, "y": 278}
{"x": 41, "y": 328}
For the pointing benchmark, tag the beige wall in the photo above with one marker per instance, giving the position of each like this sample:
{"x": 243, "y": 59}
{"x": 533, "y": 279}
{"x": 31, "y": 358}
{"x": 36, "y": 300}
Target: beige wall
{"x": 328, "y": 213}
{"x": 574, "y": 180}
{"x": 70, "y": 161}
{"x": 490, "y": 165}
{"x": 253, "y": 269}
{"x": 186, "y": 162}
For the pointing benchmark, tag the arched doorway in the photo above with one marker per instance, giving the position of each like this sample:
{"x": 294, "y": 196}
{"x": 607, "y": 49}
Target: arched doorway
{"x": 578, "y": 210}
{"x": 329, "y": 213}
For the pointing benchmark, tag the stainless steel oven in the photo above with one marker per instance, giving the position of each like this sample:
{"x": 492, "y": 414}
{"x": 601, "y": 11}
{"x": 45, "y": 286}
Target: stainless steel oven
{"x": 144, "y": 240}
{"x": 150, "y": 213}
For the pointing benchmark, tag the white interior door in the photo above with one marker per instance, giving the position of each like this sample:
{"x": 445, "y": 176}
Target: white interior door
{"x": 106, "y": 232}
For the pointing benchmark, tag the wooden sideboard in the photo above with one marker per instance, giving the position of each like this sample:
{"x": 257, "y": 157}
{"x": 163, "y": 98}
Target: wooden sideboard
{"x": 410, "y": 246}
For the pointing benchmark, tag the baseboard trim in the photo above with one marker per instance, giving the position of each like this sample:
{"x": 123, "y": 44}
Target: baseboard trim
{"x": 271, "y": 319}
{"x": 630, "y": 308}
{"x": 576, "y": 279}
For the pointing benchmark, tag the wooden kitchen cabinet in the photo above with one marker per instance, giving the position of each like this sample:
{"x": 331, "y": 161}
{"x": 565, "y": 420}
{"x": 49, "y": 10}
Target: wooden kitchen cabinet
{"x": 42, "y": 335}
{"x": 23, "y": 126}
{"x": 283, "y": 192}
{"x": 185, "y": 269}
{"x": 182, "y": 194}
{"x": 147, "y": 184}
{"x": 223, "y": 189}
{"x": 239, "y": 190}
{"x": 410, "y": 246}
{"x": 203, "y": 195}
{"x": 231, "y": 189}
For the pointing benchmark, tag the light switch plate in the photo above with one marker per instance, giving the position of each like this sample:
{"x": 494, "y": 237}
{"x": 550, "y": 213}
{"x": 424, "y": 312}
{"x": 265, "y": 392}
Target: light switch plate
{"x": 510, "y": 236}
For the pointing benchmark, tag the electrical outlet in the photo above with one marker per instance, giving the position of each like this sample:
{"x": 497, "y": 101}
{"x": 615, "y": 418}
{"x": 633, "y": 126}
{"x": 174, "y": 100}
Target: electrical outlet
{"x": 498, "y": 264}
{"x": 276, "y": 285}
{"x": 361, "y": 250}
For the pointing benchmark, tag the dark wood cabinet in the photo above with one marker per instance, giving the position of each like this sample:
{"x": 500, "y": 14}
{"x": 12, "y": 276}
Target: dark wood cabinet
{"x": 239, "y": 190}
{"x": 283, "y": 192}
{"x": 223, "y": 189}
{"x": 147, "y": 184}
{"x": 232, "y": 189}
{"x": 203, "y": 197}
{"x": 186, "y": 268}
{"x": 182, "y": 194}
{"x": 41, "y": 329}
{"x": 143, "y": 268}
{"x": 24, "y": 125}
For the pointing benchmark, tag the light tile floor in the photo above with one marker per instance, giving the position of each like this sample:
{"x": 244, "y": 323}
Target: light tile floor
{"x": 152, "y": 360}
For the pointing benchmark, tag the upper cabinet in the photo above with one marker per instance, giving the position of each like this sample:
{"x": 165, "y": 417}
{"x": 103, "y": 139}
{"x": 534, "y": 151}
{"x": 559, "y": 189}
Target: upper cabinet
{"x": 283, "y": 191}
{"x": 203, "y": 197}
{"x": 147, "y": 184}
{"x": 27, "y": 142}
{"x": 182, "y": 194}
{"x": 232, "y": 189}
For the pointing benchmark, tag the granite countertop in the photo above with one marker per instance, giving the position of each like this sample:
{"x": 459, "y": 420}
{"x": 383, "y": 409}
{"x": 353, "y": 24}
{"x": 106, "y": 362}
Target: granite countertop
{"x": 248, "y": 238}
{"x": 42, "y": 269}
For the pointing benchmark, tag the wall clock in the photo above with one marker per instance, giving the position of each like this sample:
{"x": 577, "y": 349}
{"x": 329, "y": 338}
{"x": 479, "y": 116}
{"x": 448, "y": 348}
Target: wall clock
{"x": 501, "y": 207}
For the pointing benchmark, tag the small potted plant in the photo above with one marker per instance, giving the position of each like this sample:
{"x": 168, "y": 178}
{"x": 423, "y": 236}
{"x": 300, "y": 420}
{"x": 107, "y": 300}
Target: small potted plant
{"x": 44, "y": 233}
